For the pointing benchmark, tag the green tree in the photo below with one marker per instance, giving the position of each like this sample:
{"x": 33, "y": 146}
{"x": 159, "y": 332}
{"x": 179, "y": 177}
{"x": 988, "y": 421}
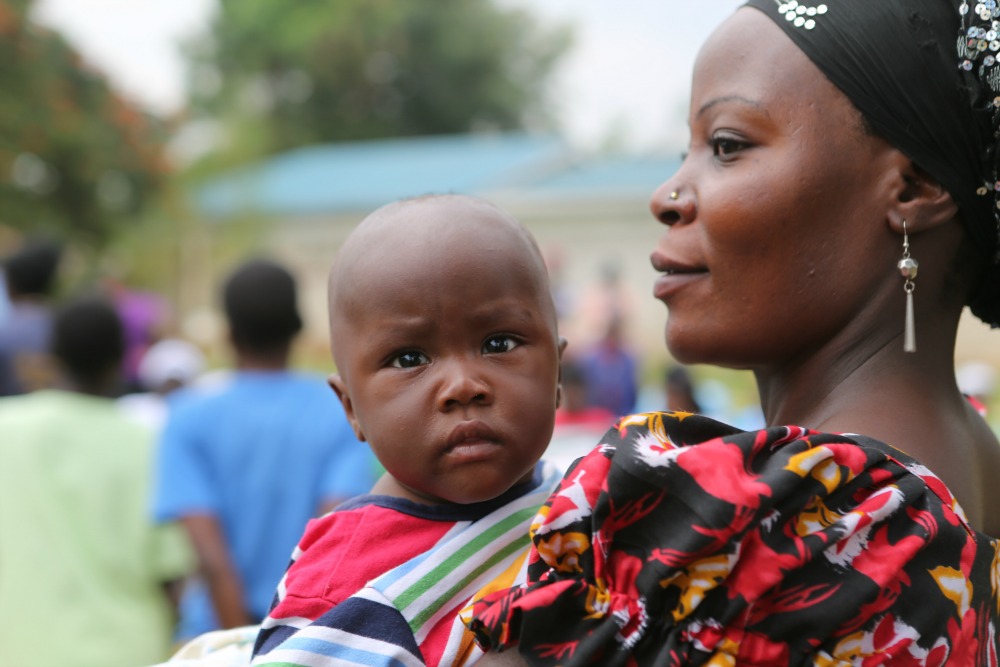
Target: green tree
{"x": 75, "y": 158}
{"x": 278, "y": 74}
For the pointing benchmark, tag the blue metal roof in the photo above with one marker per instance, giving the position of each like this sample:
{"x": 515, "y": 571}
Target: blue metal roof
{"x": 363, "y": 175}
{"x": 603, "y": 176}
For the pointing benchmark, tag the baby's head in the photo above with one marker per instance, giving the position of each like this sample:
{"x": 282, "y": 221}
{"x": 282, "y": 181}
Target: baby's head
{"x": 444, "y": 335}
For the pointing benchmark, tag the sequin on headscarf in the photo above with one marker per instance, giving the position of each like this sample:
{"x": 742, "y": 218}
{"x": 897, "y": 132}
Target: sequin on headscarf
{"x": 978, "y": 50}
{"x": 799, "y": 14}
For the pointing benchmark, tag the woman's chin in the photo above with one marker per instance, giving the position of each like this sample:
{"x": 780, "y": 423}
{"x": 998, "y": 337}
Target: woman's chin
{"x": 681, "y": 347}
{"x": 689, "y": 346}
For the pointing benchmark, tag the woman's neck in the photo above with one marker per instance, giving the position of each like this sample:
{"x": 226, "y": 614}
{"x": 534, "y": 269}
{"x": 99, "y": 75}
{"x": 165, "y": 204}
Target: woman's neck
{"x": 909, "y": 401}
{"x": 863, "y": 374}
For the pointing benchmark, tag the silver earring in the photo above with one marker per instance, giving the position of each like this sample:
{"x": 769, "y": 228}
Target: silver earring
{"x": 908, "y": 269}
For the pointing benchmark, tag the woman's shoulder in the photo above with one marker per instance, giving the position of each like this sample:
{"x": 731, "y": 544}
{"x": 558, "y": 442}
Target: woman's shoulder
{"x": 784, "y": 536}
{"x": 780, "y": 484}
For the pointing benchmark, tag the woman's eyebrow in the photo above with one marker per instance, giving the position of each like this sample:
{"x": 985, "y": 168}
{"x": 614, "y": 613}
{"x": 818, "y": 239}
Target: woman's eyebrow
{"x": 739, "y": 99}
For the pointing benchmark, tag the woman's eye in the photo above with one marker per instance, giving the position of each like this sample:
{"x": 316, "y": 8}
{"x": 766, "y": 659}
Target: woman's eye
{"x": 408, "y": 360}
{"x": 723, "y": 146}
{"x": 499, "y": 344}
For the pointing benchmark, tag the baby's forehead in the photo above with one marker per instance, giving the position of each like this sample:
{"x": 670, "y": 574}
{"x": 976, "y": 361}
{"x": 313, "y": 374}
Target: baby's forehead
{"x": 439, "y": 235}
{"x": 434, "y": 226}
{"x": 438, "y": 213}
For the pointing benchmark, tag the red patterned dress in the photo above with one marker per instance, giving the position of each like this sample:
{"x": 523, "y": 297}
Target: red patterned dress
{"x": 682, "y": 541}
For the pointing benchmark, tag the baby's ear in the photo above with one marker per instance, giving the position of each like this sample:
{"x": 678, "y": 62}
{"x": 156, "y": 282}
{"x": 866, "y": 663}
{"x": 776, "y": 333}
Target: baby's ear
{"x": 561, "y": 349}
{"x": 340, "y": 388}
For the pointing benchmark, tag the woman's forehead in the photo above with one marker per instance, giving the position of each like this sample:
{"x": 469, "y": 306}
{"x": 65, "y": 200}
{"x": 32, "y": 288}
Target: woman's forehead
{"x": 749, "y": 60}
{"x": 748, "y": 39}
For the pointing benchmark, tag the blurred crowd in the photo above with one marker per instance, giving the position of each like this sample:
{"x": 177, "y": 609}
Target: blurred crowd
{"x": 144, "y": 500}
{"x": 148, "y": 498}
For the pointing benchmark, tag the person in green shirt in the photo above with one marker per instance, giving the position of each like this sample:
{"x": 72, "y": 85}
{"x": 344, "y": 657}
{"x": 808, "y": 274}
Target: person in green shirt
{"x": 84, "y": 572}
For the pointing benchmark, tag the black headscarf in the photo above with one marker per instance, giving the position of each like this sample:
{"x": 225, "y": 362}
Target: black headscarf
{"x": 908, "y": 66}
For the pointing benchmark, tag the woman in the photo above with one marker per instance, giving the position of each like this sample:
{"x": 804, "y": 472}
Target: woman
{"x": 835, "y": 148}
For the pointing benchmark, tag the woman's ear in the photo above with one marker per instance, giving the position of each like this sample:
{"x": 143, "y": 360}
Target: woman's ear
{"x": 921, "y": 201}
{"x": 340, "y": 388}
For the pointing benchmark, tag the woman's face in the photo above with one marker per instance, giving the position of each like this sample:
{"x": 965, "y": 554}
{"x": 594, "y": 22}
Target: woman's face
{"x": 777, "y": 241}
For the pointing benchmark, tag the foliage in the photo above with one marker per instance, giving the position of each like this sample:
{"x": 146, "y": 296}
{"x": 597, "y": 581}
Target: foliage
{"x": 75, "y": 158}
{"x": 278, "y": 74}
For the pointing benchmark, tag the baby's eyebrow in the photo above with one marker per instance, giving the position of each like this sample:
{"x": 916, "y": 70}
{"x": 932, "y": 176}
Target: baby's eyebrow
{"x": 502, "y": 316}
{"x": 397, "y": 331}
{"x": 409, "y": 322}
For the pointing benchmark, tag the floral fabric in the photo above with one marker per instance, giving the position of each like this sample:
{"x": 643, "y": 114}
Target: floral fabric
{"x": 682, "y": 541}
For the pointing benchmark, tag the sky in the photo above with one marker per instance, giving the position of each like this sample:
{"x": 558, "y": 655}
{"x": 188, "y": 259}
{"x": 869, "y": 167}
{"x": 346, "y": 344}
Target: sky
{"x": 625, "y": 80}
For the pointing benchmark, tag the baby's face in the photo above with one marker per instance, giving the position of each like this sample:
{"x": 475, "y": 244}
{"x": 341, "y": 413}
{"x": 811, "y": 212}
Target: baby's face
{"x": 449, "y": 365}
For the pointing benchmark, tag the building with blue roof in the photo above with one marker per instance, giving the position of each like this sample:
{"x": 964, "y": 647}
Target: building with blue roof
{"x": 589, "y": 213}
{"x": 361, "y": 176}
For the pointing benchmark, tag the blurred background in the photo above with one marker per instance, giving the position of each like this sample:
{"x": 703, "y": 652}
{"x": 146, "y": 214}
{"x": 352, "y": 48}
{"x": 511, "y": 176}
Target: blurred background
{"x": 164, "y": 141}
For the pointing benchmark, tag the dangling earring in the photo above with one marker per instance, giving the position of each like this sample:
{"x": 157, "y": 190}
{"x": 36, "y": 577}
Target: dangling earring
{"x": 908, "y": 269}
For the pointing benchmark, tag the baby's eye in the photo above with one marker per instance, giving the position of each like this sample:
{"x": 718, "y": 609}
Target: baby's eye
{"x": 499, "y": 344}
{"x": 409, "y": 359}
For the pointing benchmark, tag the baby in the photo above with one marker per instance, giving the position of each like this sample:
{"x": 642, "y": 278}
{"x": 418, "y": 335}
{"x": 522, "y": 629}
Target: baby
{"x": 444, "y": 336}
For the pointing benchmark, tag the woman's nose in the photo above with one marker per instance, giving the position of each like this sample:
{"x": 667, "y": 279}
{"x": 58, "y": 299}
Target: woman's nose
{"x": 672, "y": 204}
{"x": 462, "y": 383}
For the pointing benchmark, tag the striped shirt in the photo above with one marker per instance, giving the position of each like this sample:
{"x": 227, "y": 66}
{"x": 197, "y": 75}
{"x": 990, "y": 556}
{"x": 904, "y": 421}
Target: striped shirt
{"x": 407, "y": 614}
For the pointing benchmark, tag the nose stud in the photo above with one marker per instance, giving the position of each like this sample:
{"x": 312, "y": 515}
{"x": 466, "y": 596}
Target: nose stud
{"x": 674, "y": 195}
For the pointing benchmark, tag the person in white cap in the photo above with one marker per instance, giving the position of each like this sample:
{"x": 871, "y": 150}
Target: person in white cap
{"x": 166, "y": 366}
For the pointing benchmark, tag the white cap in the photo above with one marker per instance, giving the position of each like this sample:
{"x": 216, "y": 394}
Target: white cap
{"x": 170, "y": 359}
{"x": 976, "y": 378}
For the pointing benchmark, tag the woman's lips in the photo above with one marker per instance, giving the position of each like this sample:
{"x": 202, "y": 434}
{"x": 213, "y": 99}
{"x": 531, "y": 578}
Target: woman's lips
{"x": 674, "y": 275}
{"x": 668, "y": 284}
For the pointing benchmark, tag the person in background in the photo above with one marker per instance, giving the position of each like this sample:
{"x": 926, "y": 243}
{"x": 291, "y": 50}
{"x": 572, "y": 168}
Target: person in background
{"x": 4, "y": 298}
{"x": 144, "y": 314}
{"x": 245, "y": 463}
{"x": 978, "y": 381}
{"x": 680, "y": 393}
{"x": 84, "y": 572}
{"x": 574, "y": 409}
{"x": 610, "y": 370}
{"x": 30, "y": 275}
{"x": 168, "y": 365}
{"x": 578, "y": 425}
